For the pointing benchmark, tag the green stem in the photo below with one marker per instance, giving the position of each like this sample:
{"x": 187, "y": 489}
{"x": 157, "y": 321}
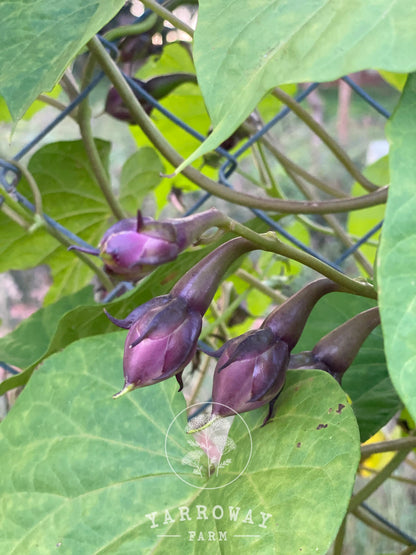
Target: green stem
{"x": 373, "y": 484}
{"x": 69, "y": 85}
{"x": 197, "y": 387}
{"x": 272, "y": 244}
{"x": 397, "y": 478}
{"x": 386, "y": 446}
{"x": 314, "y": 226}
{"x": 56, "y": 104}
{"x": 258, "y": 164}
{"x": 163, "y": 146}
{"x": 339, "y": 540}
{"x": 326, "y": 138}
{"x": 16, "y": 207}
{"x": 273, "y": 184}
{"x": 260, "y": 286}
{"x": 169, "y": 16}
{"x": 10, "y": 213}
{"x": 249, "y": 177}
{"x": 328, "y": 231}
{"x": 84, "y": 121}
{"x": 219, "y": 322}
{"x": 37, "y": 197}
{"x": 221, "y": 318}
{"x": 131, "y": 30}
{"x": 362, "y": 515}
{"x": 288, "y": 164}
{"x": 336, "y": 226}
{"x": 343, "y": 236}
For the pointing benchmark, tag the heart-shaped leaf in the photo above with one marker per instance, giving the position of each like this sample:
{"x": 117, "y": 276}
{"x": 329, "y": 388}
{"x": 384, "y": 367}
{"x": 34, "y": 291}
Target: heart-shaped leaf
{"x": 397, "y": 256}
{"x": 244, "y": 49}
{"x": 39, "y": 39}
{"x": 86, "y": 473}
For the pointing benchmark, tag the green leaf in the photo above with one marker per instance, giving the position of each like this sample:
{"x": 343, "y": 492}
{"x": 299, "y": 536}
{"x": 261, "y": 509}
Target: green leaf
{"x": 397, "y": 255}
{"x": 29, "y": 341}
{"x": 72, "y": 197}
{"x": 396, "y": 80}
{"x": 32, "y": 110}
{"x": 139, "y": 176}
{"x": 106, "y": 467}
{"x": 241, "y": 53}
{"x": 367, "y": 382}
{"x": 39, "y": 39}
{"x": 175, "y": 58}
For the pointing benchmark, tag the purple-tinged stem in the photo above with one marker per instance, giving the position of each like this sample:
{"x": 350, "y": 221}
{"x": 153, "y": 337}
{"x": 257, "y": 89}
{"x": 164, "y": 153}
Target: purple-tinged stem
{"x": 199, "y": 284}
{"x": 288, "y": 320}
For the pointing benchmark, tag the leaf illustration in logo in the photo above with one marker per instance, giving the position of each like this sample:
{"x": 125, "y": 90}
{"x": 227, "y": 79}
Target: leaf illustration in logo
{"x": 193, "y": 459}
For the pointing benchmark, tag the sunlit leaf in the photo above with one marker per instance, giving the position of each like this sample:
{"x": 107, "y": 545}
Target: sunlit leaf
{"x": 241, "y": 53}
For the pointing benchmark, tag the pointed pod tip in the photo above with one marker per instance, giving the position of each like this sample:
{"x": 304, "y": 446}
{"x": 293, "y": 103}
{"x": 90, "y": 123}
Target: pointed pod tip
{"x": 136, "y": 341}
{"x": 207, "y": 424}
{"x": 87, "y": 250}
{"x": 168, "y": 175}
{"x": 126, "y": 389}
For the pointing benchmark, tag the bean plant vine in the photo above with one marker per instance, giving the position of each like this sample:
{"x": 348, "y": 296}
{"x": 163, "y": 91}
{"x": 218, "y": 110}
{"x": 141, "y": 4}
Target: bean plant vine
{"x": 211, "y": 245}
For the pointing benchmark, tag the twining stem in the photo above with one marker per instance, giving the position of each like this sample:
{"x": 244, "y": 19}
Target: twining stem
{"x": 375, "y": 482}
{"x": 411, "y": 463}
{"x": 169, "y": 16}
{"x": 222, "y": 318}
{"x": 260, "y": 286}
{"x": 100, "y": 173}
{"x": 37, "y": 197}
{"x": 57, "y": 104}
{"x": 199, "y": 382}
{"x": 9, "y": 206}
{"x": 328, "y": 231}
{"x": 325, "y": 137}
{"x": 219, "y": 321}
{"x": 266, "y": 168}
{"x": 259, "y": 164}
{"x": 131, "y": 30}
{"x": 343, "y": 236}
{"x": 290, "y": 165}
{"x": 386, "y": 446}
{"x": 163, "y": 146}
{"x": 269, "y": 242}
{"x": 13, "y": 215}
{"x": 336, "y": 226}
{"x": 69, "y": 85}
{"x": 15, "y": 206}
{"x": 370, "y": 521}
{"x": 339, "y": 540}
{"x": 396, "y": 478}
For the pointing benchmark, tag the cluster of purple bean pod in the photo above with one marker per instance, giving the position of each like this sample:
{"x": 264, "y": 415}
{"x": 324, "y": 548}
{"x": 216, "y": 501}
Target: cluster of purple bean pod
{"x": 163, "y": 333}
